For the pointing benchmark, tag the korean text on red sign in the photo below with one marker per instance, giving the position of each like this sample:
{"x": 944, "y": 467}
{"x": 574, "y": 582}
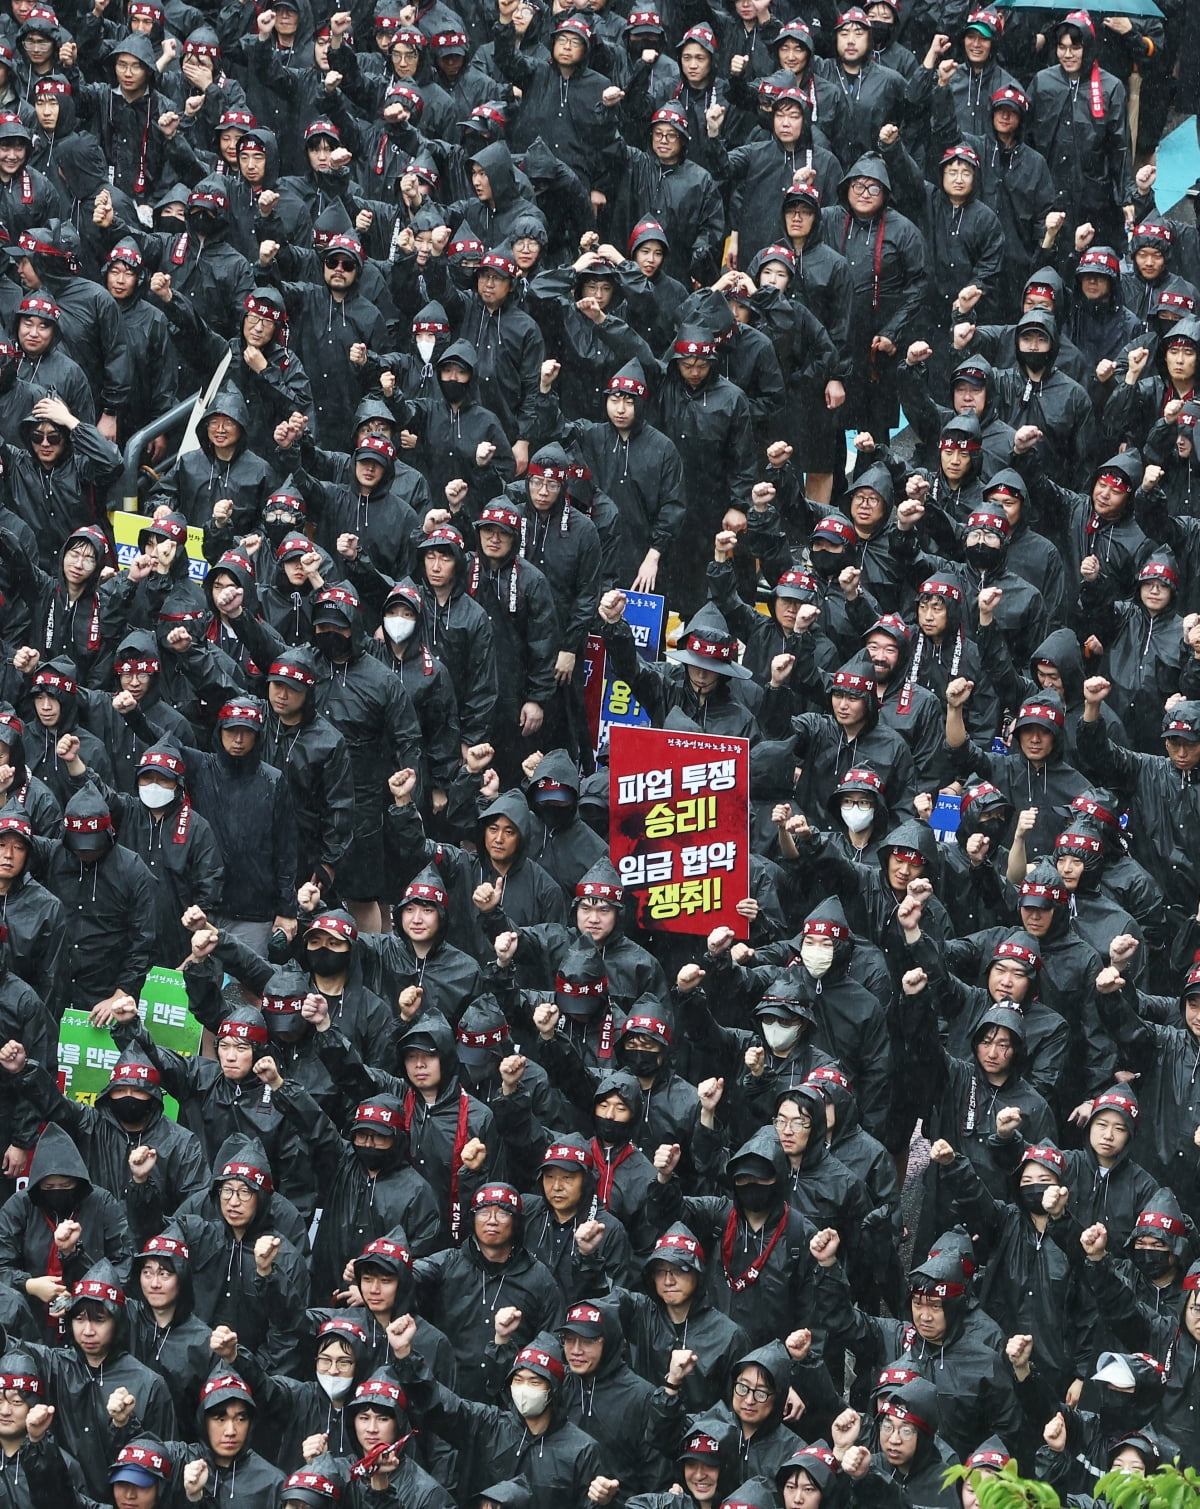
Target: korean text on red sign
{"x": 679, "y": 827}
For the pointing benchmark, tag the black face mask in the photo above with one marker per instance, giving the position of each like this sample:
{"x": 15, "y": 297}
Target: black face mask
{"x": 615, "y": 1132}
{"x": 277, "y": 530}
{"x": 640, "y": 1061}
{"x": 1150, "y": 1262}
{"x": 556, "y": 815}
{"x": 332, "y": 646}
{"x": 59, "y": 1202}
{"x": 323, "y": 961}
{"x": 374, "y": 1160}
{"x": 453, "y": 392}
{"x": 128, "y": 1110}
{"x": 202, "y": 222}
{"x": 1035, "y": 362}
{"x": 826, "y": 563}
{"x": 882, "y": 33}
{"x": 754, "y": 1197}
{"x": 1029, "y": 1198}
{"x": 985, "y": 557}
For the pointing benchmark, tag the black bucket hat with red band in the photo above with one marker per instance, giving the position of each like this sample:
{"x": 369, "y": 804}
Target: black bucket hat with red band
{"x": 581, "y": 982}
{"x": 708, "y": 644}
{"x": 87, "y": 822}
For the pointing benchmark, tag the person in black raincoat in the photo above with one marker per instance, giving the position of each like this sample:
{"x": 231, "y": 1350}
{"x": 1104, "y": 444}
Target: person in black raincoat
{"x": 494, "y": 1262}
{"x": 1033, "y": 1285}
{"x": 1159, "y": 788}
{"x": 965, "y": 237}
{"x": 760, "y": 1269}
{"x": 35, "y": 1469}
{"x": 948, "y": 1342}
{"x": 561, "y": 842}
{"x": 667, "y": 185}
{"x": 53, "y": 475}
{"x": 187, "y": 865}
{"x": 525, "y": 628}
{"x": 344, "y": 507}
{"x": 763, "y": 171}
{"x": 312, "y": 753}
{"x": 529, "y": 1433}
{"x": 635, "y": 1422}
{"x": 982, "y": 536}
{"x": 222, "y": 467}
{"x": 378, "y": 1414}
{"x": 144, "y": 329}
{"x": 72, "y": 612}
{"x": 1126, "y": 1390}
{"x": 973, "y": 389}
{"x": 598, "y": 908}
{"x": 220, "y": 1099}
{"x": 89, "y": 321}
{"x": 127, "y": 1114}
{"x": 1154, "y": 1310}
{"x": 1077, "y": 121}
{"x": 637, "y": 466}
{"x": 331, "y": 320}
{"x": 1033, "y": 774}
{"x": 111, "y": 896}
{"x": 248, "y": 1274}
{"x": 965, "y": 1094}
{"x": 212, "y": 274}
{"x": 1035, "y": 390}
{"x": 372, "y": 711}
{"x": 460, "y": 632}
{"x": 124, "y": 114}
{"x": 815, "y": 968}
{"x": 826, "y": 745}
{"x": 262, "y": 368}
{"x": 887, "y": 263}
{"x": 911, "y": 1456}
{"x": 53, "y": 1231}
{"x": 83, "y": 1376}
{"x": 698, "y": 679}
{"x": 164, "y": 1330}
{"x": 1100, "y": 325}
{"x": 369, "y": 1187}
{"x": 34, "y": 917}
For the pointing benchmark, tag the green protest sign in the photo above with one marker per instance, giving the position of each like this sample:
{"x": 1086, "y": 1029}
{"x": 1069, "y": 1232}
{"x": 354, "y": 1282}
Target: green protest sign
{"x": 86, "y": 1054}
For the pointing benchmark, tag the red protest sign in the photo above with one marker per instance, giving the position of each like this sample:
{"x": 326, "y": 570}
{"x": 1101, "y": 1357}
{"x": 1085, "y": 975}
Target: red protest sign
{"x": 679, "y": 826}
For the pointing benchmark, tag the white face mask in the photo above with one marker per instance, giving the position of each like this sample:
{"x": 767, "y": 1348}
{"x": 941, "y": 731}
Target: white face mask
{"x": 155, "y": 796}
{"x": 399, "y": 628}
{"x": 780, "y": 1037}
{"x": 816, "y": 957}
{"x": 857, "y": 819}
{"x": 425, "y": 345}
{"x": 530, "y": 1400}
{"x": 336, "y": 1388}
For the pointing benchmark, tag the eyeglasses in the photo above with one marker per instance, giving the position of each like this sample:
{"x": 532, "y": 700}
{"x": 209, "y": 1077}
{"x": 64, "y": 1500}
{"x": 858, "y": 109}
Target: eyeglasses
{"x": 791, "y": 1123}
{"x": 894, "y": 1428}
{"x": 544, "y": 485}
{"x": 759, "y": 1395}
{"x": 341, "y": 264}
{"x": 258, "y": 321}
{"x": 867, "y": 187}
{"x": 342, "y": 1366}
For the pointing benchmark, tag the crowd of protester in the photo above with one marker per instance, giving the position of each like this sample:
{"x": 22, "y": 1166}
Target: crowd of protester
{"x": 479, "y": 1194}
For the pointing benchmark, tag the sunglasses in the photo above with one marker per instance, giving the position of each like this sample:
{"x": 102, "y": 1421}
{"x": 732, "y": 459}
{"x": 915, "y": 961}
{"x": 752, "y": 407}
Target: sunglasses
{"x": 47, "y": 437}
{"x": 341, "y": 264}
